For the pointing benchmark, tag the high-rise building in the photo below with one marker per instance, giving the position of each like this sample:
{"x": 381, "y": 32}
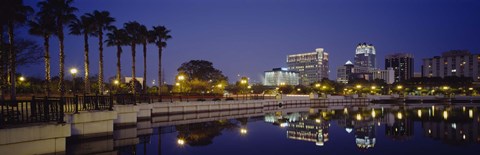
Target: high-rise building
{"x": 344, "y": 72}
{"x": 402, "y": 64}
{"x": 365, "y": 56}
{"x": 311, "y": 66}
{"x": 278, "y": 76}
{"x": 453, "y": 63}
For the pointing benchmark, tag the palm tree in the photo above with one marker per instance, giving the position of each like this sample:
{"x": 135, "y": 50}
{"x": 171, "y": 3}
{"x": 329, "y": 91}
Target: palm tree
{"x": 133, "y": 30}
{"x": 43, "y": 26}
{"x": 3, "y": 60}
{"x": 117, "y": 37}
{"x": 62, "y": 11}
{"x": 13, "y": 12}
{"x": 144, "y": 37}
{"x": 159, "y": 36}
{"x": 83, "y": 26}
{"x": 101, "y": 21}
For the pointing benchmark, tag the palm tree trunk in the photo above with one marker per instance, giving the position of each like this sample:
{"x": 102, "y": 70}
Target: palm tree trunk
{"x": 86, "y": 65}
{"x": 144, "y": 67}
{"x": 133, "y": 69}
{"x": 160, "y": 82}
{"x": 61, "y": 83}
{"x": 100, "y": 70}
{"x": 12, "y": 57}
{"x": 2, "y": 64}
{"x": 119, "y": 67}
{"x": 47, "y": 63}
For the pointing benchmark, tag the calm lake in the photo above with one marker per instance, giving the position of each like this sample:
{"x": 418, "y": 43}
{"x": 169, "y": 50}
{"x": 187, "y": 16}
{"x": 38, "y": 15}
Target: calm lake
{"x": 380, "y": 129}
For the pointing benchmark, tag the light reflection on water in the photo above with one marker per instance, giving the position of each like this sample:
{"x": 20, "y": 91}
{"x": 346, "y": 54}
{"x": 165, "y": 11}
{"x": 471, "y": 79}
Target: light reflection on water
{"x": 355, "y": 130}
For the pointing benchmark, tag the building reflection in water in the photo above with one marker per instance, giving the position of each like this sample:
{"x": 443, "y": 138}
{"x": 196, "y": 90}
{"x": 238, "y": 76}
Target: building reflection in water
{"x": 398, "y": 126}
{"x": 309, "y": 130}
{"x": 461, "y": 126}
{"x": 453, "y": 125}
{"x": 364, "y": 129}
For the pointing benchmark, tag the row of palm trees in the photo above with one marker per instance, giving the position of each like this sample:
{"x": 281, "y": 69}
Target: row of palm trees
{"x": 55, "y": 15}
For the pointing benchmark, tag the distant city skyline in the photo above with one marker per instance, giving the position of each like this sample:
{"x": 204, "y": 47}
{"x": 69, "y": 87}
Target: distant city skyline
{"x": 246, "y": 37}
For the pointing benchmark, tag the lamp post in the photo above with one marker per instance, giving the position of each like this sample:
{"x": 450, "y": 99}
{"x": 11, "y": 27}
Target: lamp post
{"x": 73, "y": 71}
{"x": 359, "y": 88}
{"x": 180, "y": 79}
{"x": 116, "y": 83}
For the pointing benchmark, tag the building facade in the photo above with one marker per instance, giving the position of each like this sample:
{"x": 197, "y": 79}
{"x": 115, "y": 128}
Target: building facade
{"x": 365, "y": 56}
{"x": 311, "y": 66}
{"x": 278, "y": 76}
{"x": 388, "y": 75}
{"x": 344, "y": 72}
{"x": 452, "y": 63}
{"x": 402, "y": 64}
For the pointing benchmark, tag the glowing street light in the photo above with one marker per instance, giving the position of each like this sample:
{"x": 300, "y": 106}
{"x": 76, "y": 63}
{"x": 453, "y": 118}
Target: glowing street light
{"x": 21, "y": 78}
{"x": 181, "y": 77}
{"x": 243, "y": 81}
{"x": 358, "y": 86}
{"x": 116, "y": 82}
{"x": 181, "y": 142}
{"x": 74, "y": 72}
{"x": 445, "y": 88}
{"x": 317, "y": 85}
{"x": 374, "y": 87}
{"x": 399, "y": 87}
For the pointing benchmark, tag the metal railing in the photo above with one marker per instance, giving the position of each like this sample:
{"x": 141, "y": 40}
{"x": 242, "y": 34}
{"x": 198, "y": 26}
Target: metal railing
{"x": 31, "y": 111}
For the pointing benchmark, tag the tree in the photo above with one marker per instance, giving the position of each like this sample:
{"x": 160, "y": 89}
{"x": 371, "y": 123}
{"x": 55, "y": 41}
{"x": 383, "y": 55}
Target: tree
{"x": 84, "y": 26}
{"x": 144, "y": 39}
{"x": 159, "y": 36}
{"x": 117, "y": 37}
{"x": 28, "y": 52}
{"x": 133, "y": 30}
{"x": 202, "y": 70}
{"x": 202, "y": 134}
{"x": 62, "y": 12}
{"x": 101, "y": 21}
{"x": 13, "y": 12}
{"x": 44, "y": 26}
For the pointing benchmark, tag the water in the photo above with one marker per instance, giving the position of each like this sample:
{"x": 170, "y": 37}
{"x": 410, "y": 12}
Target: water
{"x": 356, "y": 130}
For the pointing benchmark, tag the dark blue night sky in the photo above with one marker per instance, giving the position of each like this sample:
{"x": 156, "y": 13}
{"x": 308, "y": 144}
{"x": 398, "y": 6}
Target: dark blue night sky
{"x": 248, "y": 37}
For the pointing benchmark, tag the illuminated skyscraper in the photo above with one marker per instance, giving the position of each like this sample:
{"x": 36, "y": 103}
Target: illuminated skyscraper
{"x": 365, "y": 56}
{"x": 277, "y": 76}
{"x": 311, "y": 66}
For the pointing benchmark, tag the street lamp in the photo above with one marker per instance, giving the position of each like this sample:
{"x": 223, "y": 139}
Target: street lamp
{"x": 181, "y": 142}
{"x": 73, "y": 71}
{"x": 180, "y": 79}
{"x": 21, "y": 78}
